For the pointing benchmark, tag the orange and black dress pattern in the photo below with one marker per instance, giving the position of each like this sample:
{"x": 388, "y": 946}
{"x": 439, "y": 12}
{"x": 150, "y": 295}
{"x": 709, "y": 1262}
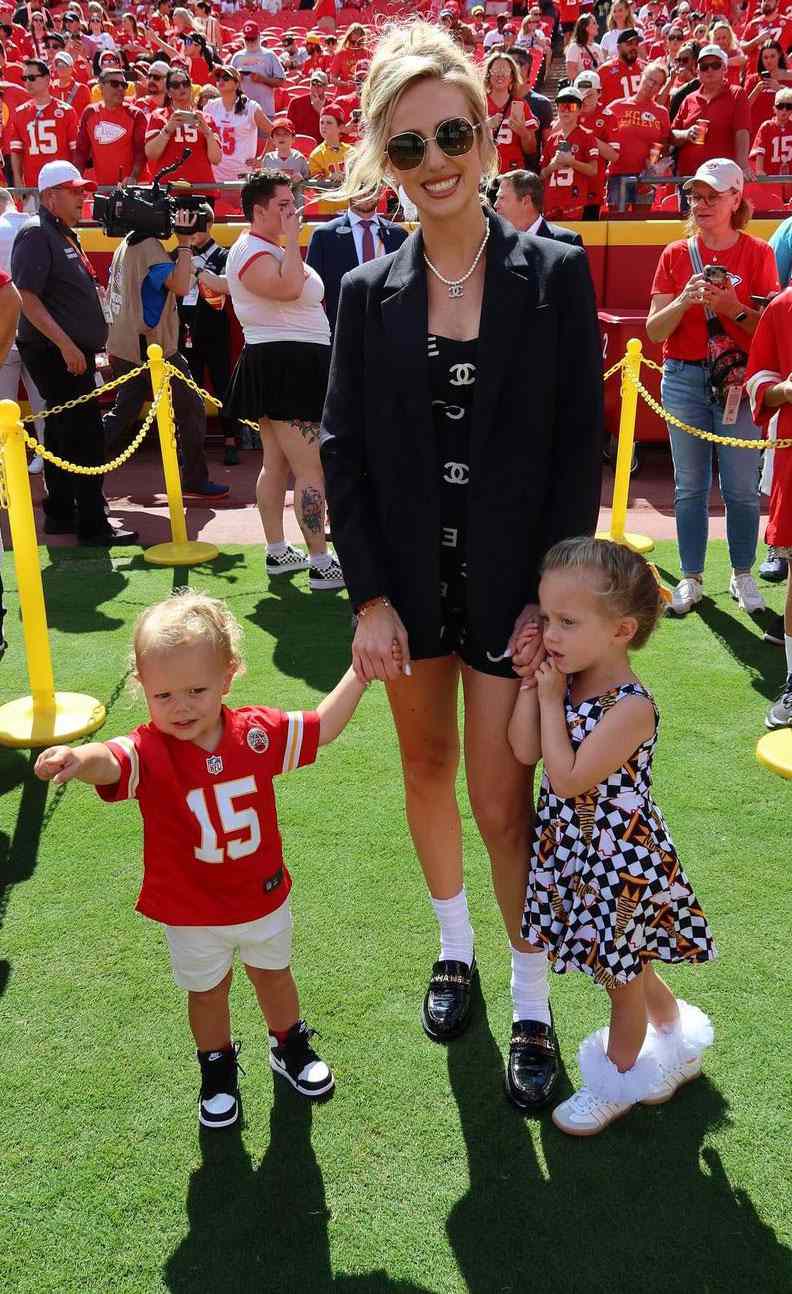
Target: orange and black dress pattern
{"x": 606, "y": 892}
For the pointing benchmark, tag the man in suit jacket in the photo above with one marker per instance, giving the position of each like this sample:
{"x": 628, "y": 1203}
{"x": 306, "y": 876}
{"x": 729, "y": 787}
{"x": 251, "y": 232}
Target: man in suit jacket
{"x": 520, "y": 201}
{"x": 342, "y": 244}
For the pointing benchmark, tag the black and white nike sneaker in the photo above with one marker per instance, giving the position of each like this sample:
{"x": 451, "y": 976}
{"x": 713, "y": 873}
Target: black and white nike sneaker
{"x": 326, "y": 577}
{"x": 298, "y": 1063}
{"x": 219, "y": 1105}
{"x": 287, "y": 562}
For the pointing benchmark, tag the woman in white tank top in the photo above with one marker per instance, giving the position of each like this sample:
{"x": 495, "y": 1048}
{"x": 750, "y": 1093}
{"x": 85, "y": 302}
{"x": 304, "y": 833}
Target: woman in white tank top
{"x": 238, "y": 122}
{"x": 281, "y": 377}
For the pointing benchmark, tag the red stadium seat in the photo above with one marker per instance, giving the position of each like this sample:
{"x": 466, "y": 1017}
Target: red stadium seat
{"x": 763, "y": 197}
{"x": 305, "y": 144}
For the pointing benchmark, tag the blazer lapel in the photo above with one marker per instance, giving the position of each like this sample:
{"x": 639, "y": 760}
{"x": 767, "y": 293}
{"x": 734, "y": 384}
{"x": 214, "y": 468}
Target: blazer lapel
{"x": 405, "y": 329}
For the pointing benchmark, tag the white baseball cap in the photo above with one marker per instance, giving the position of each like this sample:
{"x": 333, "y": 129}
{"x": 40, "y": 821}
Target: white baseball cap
{"x": 713, "y": 51}
{"x": 64, "y": 58}
{"x": 719, "y": 173}
{"x": 54, "y": 175}
{"x": 587, "y": 81}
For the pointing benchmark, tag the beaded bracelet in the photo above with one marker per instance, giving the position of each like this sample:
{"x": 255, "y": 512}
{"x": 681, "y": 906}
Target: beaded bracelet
{"x": 364, "y": 607}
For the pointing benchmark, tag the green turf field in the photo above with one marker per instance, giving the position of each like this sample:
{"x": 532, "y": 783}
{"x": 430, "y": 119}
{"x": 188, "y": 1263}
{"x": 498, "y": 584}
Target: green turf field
{"x": 417, "y": 1177}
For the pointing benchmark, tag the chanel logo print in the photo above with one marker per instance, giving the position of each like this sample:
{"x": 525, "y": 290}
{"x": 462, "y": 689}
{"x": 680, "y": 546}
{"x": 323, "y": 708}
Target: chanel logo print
{"x": 456, "y": 473}
{"x": 462, "y": 374}
{"x": 453, "y": 411}
{"x": 433, "y": 351}
{"x": 450, "y": 536}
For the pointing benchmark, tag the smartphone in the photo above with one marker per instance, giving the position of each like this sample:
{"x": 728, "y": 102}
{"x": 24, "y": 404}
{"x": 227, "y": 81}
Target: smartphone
{"x": 563, "y": 146}
{"x": 717, "y": 274}
{"x": 764, "y": 74}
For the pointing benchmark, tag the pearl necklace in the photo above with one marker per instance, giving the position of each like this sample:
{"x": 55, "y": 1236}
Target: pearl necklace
{"x": 454, "y": 286}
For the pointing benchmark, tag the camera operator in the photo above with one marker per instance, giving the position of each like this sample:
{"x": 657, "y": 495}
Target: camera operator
{"x": 62, "y": 329}
{"x": 143, "y": 288}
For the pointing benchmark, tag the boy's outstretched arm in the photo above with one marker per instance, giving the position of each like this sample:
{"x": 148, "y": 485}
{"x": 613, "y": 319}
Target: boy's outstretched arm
{"x": 338, "y": 707}
{"x": 93, "y": 763}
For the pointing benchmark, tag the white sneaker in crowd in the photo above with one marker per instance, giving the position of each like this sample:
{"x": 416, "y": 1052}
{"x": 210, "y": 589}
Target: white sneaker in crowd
{"x": 686, "y": 594}
{"x": 744, "y": 590}
{"x": 36, "y": 465}
{"x": 584, "y": 1114}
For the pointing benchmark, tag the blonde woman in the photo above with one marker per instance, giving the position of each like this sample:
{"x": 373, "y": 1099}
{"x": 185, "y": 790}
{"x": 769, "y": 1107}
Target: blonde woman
{"x": 620, "y": 18}
{"x": 722, "y": 35}
{"x": 514, "y": 129}
{"x": 456, "y": 451}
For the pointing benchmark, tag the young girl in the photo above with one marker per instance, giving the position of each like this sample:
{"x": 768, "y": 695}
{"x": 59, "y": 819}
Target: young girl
{"x": 606, "y": 893}
{"x": 213, "y": 869}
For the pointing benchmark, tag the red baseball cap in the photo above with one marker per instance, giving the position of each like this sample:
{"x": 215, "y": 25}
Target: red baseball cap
{"x": 250, "y": 29}
{"x": 333, "y": 110}
{"x": 283, "y": 123}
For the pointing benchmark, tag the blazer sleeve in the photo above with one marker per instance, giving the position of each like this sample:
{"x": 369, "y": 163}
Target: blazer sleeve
{"x": 576, "y": 474}
{"x": 357, "y": 534}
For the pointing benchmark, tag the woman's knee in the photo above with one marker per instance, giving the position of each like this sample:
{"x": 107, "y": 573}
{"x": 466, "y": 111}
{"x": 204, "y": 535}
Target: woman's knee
{"x": 432, "y": 768}
{"x": 503, "y": 820}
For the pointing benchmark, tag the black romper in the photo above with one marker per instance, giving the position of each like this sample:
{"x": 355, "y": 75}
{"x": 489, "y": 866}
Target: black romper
{"x": 452, "y": 380}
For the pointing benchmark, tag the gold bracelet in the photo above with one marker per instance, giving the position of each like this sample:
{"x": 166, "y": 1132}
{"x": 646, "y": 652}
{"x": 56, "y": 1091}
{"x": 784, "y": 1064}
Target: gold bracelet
{"x": 364, "y": 607}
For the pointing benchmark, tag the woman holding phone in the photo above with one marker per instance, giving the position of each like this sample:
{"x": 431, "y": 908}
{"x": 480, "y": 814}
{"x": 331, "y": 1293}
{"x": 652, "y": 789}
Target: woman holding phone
{"x": 181, "y": 126}
{"x": 702, "y": 310}
{"x": 456, "y": 451}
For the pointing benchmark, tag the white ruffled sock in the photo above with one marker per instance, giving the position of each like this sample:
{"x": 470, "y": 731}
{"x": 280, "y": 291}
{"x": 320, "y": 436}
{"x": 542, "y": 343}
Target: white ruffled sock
{"x": 686, "y": 1039}
{"x": 601, "y": 1076}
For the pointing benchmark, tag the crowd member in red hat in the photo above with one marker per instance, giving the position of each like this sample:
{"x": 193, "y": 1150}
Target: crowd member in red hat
{"x": 261, "y": 69}
{"x": 284, "y": 157}
{"x": 513, "y": 127}
{"x": 327, "y": 162}
{"x": 305, "y": 109}
{"x": 569, "y": 160}
{"x": 42, "y": 130}
{"x": 180, "y": 126}
{"x": 112, "y": 134}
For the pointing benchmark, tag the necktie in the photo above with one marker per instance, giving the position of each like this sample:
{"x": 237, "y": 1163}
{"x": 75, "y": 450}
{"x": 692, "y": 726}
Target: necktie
{"x": 368, "y": 241}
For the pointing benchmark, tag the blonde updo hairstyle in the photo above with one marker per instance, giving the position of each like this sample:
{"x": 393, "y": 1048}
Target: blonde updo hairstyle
{"x": 183, "y": 619}
{"x": 623, "y": 579}
{"x": 407, "y": 54}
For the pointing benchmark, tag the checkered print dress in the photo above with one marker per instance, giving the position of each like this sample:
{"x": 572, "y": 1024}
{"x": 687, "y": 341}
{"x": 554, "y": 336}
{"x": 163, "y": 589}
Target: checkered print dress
{"x": 606, "y": 892}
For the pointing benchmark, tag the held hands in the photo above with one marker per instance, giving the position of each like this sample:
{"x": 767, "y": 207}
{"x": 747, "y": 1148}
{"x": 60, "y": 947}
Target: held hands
{"x": 57, "y": 764}
{"x": 380, "y": 649}
{"x": 525, "y": 645}
{"x": 550, "y": 682}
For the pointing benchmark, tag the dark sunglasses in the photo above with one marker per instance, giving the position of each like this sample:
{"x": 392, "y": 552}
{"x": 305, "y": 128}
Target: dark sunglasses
{"x": 155, "y": 76}
{"x": 34, "y": 76}
{"x": 783, "y": 107}
{"x": 710, "y": 66}
{"x": 179, "y": 85}
{"x": 117, "y": 85}
{"x": 454, "y": 137}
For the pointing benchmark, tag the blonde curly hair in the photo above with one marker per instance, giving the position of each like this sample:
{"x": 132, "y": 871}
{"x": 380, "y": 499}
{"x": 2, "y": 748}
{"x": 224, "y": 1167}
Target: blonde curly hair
{"x": 184, "y": 618}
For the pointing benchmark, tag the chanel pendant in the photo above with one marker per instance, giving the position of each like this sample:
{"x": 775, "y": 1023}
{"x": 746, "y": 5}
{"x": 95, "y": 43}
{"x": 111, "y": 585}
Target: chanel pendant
{"x": 455, "y": 290}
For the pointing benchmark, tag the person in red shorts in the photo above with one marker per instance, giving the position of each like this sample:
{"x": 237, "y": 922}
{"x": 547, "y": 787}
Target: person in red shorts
{"x": 213, "y": 867}
{"x": 112, "y": 134}
{"x": 41, "y": 130}
{"x": 172, "y": 130}
{"x": 640, "y": 130}
{"x": 768, "y": 381}
{"x": 713, "y": 121}
{"x": 621, "y": 76}
{"x": 569, "y": 160}
{"x": 771, "y": 151}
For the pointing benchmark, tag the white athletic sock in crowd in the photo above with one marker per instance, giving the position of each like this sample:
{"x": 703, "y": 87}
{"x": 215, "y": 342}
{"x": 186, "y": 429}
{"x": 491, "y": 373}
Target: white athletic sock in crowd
{"x": 456, "y": 932}
{"x": 530, "y": 998}
{"x": 788, "y": 651}
{"x": 321, "y": 561}
{"x": 278, "y": 549}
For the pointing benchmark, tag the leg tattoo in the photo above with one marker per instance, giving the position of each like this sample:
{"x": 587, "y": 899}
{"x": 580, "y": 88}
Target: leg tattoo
{"x": 312, "y": 509}
{"x": 309, "y": 430}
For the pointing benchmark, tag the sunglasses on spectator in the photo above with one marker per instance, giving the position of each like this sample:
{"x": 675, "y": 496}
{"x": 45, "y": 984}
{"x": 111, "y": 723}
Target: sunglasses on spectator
{"x": 710, "y": 66}
{"x": 117, "y": 85}
{"x": 783, "y": 107}
{"x": 454, "y": 137}
{"x": 34, "y": 76}
{"x": 179, "y": 85}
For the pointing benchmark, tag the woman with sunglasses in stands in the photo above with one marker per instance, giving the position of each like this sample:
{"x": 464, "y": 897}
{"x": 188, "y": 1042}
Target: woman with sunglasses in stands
{"x": 510, "y": 120}
{"x": 456, "y": 450}
{"x": 351, "y": 49}
{"x": 761, "y": 86}
{"x": 237, "y": 121}
{"x": 180, "y": 126}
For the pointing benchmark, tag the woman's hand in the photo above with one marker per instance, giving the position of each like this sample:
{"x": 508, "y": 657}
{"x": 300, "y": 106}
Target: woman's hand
{"x": 380, "y": 649}
{"x": 723, "y": 301}
{"x": 692, "y": 293}
{"x": 550, "y": 682}
{"x": 525, "y": 645}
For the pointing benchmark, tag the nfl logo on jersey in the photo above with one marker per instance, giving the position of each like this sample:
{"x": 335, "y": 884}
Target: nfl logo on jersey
{"x": 214, "y": 764}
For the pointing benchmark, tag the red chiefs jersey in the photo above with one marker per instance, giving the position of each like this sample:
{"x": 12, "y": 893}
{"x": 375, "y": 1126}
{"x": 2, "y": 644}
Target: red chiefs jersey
{"x": 635, "y": 127}
{"x": 197, "y": 168}
{"x": 775, "y": 27}
{"x": 597, "y": 123}
{"x": 618, "y": 81}
{"x": 773, "y": 143}
{"x": 42, "y": 134}
{"x": 770, "y": 362}
{"x": 212, "y": 851}
{"x": 567, "y": 192}
{"x": 510, "y": 151}
{"x": 114, "y": 138}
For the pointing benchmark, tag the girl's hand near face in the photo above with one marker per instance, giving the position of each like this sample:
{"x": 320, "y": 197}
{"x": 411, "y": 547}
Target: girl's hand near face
{"x": 550, "y": 683}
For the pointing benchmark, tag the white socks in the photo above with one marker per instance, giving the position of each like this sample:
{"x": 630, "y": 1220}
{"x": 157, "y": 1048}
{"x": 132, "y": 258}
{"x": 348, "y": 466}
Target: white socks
{"x": 321, "y": 561}
{"x": 530, "y": 997}
{"x": 456, "y": 932}
{"x": 278, "y": 549}
{"x": 788, "y": 651}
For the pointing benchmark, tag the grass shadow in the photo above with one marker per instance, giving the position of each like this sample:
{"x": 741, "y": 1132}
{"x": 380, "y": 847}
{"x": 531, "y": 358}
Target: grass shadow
{"x": 644, "y": 1205}
{"x": 19, "y": 850}
{"x": 266, "y": 1228}
{"x": 76, "y": 582}
{"x": 312, "y": 631}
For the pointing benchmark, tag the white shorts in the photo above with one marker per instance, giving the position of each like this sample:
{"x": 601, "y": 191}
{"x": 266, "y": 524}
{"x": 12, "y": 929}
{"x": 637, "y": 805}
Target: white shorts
{"x": 201, "y": 956}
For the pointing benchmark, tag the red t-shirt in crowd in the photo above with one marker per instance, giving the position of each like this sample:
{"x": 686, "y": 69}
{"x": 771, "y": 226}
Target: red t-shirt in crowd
{"x": 597, "y": 123}
{"x": 752, "y": 270}
{"x": 510, "y": 151}
{"x": 769, "y": 362}
{"x": 762, "y": 106}
{"x": 114, "y": 138}
{"x": 197, "y": 169}
{"x": 774, "y": 144}
{"x": 634, "y": 128}
{"x": 304, "y": 117}
{"x": 567, "y": 192}
{"x": 618, "y": 81}
{"x": 727, "y": 113}
{"x": 14, "y": 72}
{"x": 568, "y": 10}
{"x": 42, "y": 134}
{"x": 212, "y": 852}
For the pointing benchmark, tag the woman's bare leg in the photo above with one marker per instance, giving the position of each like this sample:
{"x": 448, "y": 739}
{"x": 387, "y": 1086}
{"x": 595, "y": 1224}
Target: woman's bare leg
{"x": 300, "y": 447}
{"x": 271, "y": 484}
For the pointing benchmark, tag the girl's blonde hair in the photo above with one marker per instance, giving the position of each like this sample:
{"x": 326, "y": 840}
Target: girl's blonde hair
{"x": 406, "y": 54}
{"x": 622, "y": 576}
{"x": 517, "y": 81}
{"x": 629, "y": 20}
{"x": 185, "y": 618}
{"x": 355, "y": 29}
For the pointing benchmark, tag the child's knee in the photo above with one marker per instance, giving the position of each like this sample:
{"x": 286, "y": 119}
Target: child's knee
{"x": 266, "y": 978}
{"x": 219, "y": 991}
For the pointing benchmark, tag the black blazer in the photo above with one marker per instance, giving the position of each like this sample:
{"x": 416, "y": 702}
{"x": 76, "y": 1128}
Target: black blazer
{"x": 536, "y": 435}
{"x": 331, "y": 252}
{"x": 560, "y": 234}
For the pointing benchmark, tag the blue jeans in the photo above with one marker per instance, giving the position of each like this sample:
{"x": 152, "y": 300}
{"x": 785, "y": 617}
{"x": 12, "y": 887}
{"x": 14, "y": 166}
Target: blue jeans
{"x": 685, "y": 392}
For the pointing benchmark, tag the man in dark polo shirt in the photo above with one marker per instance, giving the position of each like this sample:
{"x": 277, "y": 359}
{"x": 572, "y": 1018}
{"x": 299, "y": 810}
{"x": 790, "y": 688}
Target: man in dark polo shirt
{"x": 61, "y": 330}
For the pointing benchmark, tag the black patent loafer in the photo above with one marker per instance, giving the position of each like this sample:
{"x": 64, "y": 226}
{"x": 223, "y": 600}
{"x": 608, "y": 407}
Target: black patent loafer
{"x": 533, "y": 1070}
{"x": 446, "y": 1008}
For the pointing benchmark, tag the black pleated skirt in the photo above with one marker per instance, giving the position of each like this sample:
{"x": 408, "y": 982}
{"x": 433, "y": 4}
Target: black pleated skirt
{"x": 283, "y": 380}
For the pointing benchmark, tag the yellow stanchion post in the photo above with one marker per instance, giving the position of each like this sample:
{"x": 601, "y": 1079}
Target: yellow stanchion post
{"x": 180, "y": 551}
{"x": 774, "y": 750}
{"x": 46, "y": 716}
{"x": 624, "y": 453}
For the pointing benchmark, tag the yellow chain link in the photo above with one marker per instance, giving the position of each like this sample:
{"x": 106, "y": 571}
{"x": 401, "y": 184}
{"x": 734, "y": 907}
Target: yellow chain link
{"x": 615, "y": 368}
{"x": 90, "y": 395}
{"x": 78, "y": 469}
{"x": 176, "y": 372}
{"x": 736, "y": 442}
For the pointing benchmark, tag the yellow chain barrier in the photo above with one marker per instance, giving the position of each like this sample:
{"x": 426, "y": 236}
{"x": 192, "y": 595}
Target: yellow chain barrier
{"x": 90, "y": 395}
